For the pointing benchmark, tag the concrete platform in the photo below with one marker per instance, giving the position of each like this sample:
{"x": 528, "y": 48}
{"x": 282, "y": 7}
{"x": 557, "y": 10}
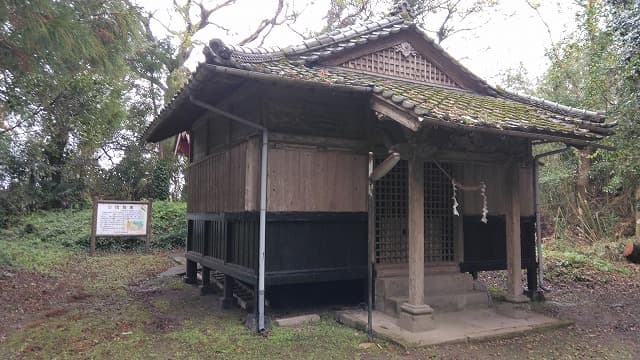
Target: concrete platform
{"x": 452, "y": 327}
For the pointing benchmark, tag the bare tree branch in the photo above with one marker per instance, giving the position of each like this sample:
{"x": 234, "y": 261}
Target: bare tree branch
{"x": 536, "y": 8}
{"x": 264, "y": 24}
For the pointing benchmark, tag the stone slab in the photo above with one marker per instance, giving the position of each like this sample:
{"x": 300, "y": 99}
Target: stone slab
{"x": 177, "y": 270}
{"x": 178, "y": 257}
{"x": 297, "y": 320}
{"x": 454, "y": 327}
{"x": 514, "y": 310}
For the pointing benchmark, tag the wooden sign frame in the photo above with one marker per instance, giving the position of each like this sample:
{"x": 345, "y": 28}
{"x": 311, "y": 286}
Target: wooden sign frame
{"x": 94, "y": 222}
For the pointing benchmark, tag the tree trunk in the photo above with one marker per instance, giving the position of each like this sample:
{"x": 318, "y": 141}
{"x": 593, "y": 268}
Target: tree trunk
{"x": 636, "y": 209}
{"x": 584, "y": 163}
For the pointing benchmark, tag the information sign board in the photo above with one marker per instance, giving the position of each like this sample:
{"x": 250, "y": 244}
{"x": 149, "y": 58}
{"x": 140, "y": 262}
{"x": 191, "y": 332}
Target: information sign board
{"x": 113, "y": 218}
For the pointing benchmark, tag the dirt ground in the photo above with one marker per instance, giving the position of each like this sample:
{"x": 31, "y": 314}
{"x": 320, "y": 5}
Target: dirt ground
{"x": 114, "y": 306}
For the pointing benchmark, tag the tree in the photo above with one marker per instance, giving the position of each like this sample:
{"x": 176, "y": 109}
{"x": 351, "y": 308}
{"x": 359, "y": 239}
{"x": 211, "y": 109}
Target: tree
{"x": 594, "y": 69}
{"x": 161, "y": 61}
{"x": 443, "y": 18}
{"x": 61, "y": 88}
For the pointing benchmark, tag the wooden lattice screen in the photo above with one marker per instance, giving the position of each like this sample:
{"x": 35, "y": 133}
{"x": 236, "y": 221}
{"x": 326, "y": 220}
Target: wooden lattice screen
{"x": 391, "y": 215}
{"x": 438, "y": 213}
{"x": 401, "y": 61}
{"x": 391, "y": 211}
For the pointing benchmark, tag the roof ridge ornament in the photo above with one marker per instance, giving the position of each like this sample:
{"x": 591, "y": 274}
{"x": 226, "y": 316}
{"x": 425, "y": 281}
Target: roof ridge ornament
{"x": 402, "y": 8}
{"x": 220, "y": 48}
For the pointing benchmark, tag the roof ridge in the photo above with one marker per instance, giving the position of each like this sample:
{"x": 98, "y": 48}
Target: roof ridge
{"x": 593, "y": 116}
{"x": 218, "y": 49}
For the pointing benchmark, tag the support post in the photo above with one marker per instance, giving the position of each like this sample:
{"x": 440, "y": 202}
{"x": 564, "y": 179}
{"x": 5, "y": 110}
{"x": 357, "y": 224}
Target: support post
{"x": 147, "y": 243}
{"x": 206, "y": 287}
{"x": 514, "y": 255}
{"x": 371, "y": 224}
{"x": 227, "y": 301}
{"x": 192, "y": 272}
{"x": 94, "y": 223}
{"x": 415, "y": 315}
{"x": 263, "y": 226}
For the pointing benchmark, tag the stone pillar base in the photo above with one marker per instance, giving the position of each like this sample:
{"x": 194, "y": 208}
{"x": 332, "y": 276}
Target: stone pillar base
{"x": 516, "y": 299}
{"x": 416, "y": 318}
{"x": 514, "y": 310}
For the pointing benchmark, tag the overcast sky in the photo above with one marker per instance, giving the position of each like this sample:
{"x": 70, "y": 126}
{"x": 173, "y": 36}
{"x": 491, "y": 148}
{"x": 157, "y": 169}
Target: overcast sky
{"x": 507, "y": 36}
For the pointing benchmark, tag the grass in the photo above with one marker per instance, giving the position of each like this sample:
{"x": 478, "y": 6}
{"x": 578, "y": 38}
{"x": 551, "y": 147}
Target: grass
{"x": 117, "y": 321}
{"x": 128, "y": 313}
{"x": 131, "y": 314}
{"x": 576, "y": 262}
{"x": 45, "y": 239}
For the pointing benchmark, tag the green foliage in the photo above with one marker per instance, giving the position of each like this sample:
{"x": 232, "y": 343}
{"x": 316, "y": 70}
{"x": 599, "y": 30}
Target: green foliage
{"x": 130, "y": 178}
{"x": 169, "y": 227}
{"x": 46, "y": 238}
{"x": 61, "y": 96}
{"x": 588, "y": 71}
{"x": 566, "y": 260}
{"x": 160, "y": 180}
{"x": 63, "y": 37}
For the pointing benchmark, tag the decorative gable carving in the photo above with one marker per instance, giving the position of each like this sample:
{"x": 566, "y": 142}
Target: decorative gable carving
{"x": 402, "y": 61}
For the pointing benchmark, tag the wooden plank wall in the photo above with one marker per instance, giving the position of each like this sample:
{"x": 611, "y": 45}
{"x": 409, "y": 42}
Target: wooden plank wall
{"x": 216, "y": 183}
{"x": 199, "y": 139}
{"x": 312, "y": 180}
{"x": 494, "y": 176}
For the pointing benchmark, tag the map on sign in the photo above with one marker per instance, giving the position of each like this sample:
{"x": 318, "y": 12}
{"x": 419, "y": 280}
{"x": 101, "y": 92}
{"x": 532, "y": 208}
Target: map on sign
{"x": 121, "y": 219}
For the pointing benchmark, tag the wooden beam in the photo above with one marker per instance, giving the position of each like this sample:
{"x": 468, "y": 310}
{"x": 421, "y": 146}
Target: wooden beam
{"x": 318, "y": 141}
{"x": 395, "y": 113}
{"x": 416, "y": 232}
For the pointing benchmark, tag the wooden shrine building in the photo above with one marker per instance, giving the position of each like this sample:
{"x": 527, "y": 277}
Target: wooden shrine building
{"x": 459, "y": 201}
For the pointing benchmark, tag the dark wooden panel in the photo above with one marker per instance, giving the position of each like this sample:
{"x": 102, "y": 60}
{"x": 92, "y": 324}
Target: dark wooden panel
{"x": 301, "y": 247}
{"x": 198, "y": 237}
{"x": 243, "y": 242}
{"x": 485, "y": 244}
{"x": 319, "y": 241}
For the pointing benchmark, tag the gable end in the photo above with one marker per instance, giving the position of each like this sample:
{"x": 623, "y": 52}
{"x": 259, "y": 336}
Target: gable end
{"x": 404, "y": 62}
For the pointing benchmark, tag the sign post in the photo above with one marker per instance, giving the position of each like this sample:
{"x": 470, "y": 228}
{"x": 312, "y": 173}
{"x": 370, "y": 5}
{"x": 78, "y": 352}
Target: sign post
{"x": 113, "y": 218}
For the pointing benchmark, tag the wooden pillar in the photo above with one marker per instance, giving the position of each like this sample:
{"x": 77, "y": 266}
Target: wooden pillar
{"x": 415, "y": 315}
{"x": 514, "y": 257}
{"x": 192, "y": 272}
{"x": 416, "y": 232}
{"x": 227, "y": 300}
{"x": 207, "y": 288}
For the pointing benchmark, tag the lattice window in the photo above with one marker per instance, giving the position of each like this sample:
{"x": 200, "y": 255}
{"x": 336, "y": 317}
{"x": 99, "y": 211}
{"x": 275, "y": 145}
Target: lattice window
{"x": 438, "y": 213}
{"x": 391, "y": 210}
{"x": 392, "y": 198}
{"x": 402, "y": 61}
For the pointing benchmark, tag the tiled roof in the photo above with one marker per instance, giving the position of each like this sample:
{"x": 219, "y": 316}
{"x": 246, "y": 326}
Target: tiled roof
{"x": 490, "y": 108}
{"x": 452, "y": 106}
